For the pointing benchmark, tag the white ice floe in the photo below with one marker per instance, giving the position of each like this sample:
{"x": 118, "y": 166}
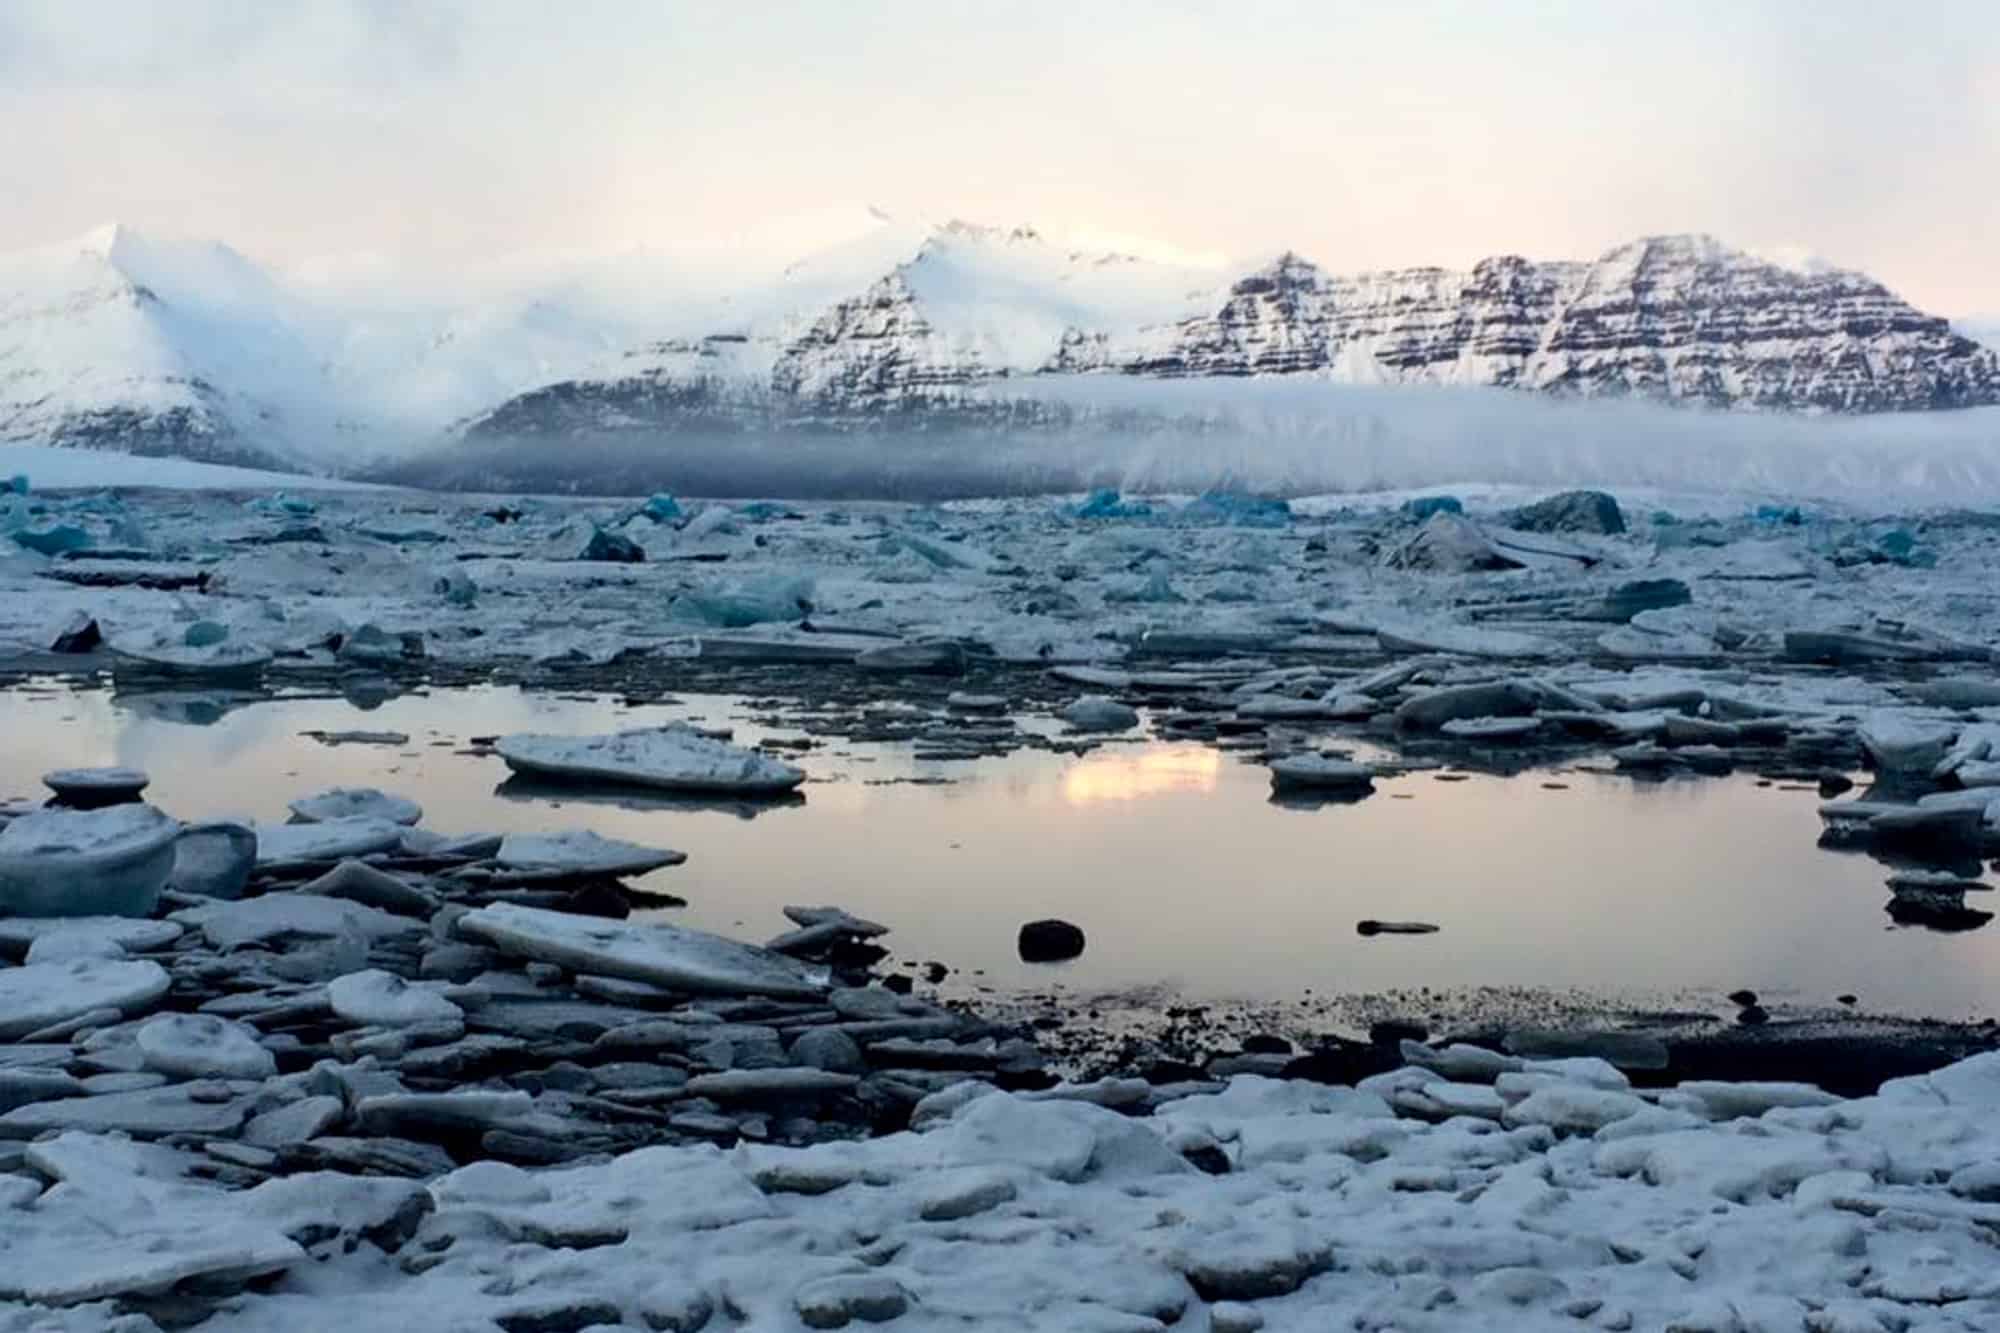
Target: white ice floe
{"x": 1097, "y": 712}
{"x": 375, "y": 998}
{"x": 675, "y": 758}
{"x": 663, "y": 955}
{"x": 356, "y": 803}
{"x": 332, "y": 840}
{"x": 274, "y": 916}
{"x": 43, "y": 995}
{"x": 1319, "y": 773}
{"x": 203, "y": 1046}
{"x": 110, "y": 862}
{"x": 580, "y": 852}
{"x": 1462, "y": 640}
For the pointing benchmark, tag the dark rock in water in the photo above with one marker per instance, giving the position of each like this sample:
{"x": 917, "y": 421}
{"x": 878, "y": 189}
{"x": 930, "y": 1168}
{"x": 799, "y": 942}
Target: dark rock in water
{"x": 79, "y": 634}
{"x": 1265, "y": 1043}
{"x": 1372, "y": 927}
{"x": 1393, "y": 1032}
{"x": 1753, "y": 1015}
{"x": 1742, "y": 997}
{"x": 1629, "y": 1051}
{"x": 898, "y": 983}
{"x": 610, "y": 548}
{"x": 1571, "y": 511}
{"x": 1834, "y": 784}
{"x": 1944, "y": 911}
{"x": 1849, "y": 1000}
{"x": 1343, "y": 1063}
{"x": 1050, "y": 941}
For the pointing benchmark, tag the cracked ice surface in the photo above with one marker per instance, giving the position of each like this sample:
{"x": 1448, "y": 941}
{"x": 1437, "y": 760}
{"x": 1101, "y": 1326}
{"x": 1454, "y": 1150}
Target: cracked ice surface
{"x": 1554, "y": 1199}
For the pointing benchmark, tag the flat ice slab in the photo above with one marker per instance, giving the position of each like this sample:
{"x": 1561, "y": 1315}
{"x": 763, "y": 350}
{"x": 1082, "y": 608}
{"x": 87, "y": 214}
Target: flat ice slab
{"x": 675, "y": 758}
{"x": 43, "y": 994}
{"x": 332, "y": 840}
{"x": 581, "y": 852}
{"x": 1318, "y": 771}
{"x": 667, "y": 956}
{"x": 356, "y": 803}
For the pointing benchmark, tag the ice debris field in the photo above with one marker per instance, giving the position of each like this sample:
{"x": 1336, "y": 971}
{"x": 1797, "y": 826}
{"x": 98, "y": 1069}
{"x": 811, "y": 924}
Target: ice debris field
{"x": 355, "y": 1071}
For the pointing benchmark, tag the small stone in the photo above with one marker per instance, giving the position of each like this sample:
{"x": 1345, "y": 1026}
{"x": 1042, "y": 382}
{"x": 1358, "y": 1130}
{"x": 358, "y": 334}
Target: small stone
{"x": 1753, "y": 1015}
{"x": 1050, "y": 941}
{"x": 1743, "y": 998}
{"x": 834, "y": 1302}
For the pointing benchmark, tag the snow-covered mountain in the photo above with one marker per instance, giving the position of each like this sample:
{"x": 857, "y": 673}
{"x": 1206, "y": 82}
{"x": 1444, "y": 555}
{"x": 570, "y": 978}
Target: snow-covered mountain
{"x": 1677, "y": 318}
{"x": 1981, "y": 329}
{"x": 114, "y": 340}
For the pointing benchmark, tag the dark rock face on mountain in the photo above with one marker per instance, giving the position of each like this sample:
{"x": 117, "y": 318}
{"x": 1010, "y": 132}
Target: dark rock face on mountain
{"x": 1678, "y": 319}
{"x": 115, "y": 341}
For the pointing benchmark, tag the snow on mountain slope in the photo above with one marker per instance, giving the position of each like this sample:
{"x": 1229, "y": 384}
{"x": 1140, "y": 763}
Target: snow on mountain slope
{"x": 156, "y": 347}
{"x": 1981, "y": 329}
{"x": 121, "y": 341}
{"x": 1681, "y": 319}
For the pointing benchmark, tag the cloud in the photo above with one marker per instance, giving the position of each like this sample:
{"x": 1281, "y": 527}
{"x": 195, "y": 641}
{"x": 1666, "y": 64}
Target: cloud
{"x": 1428, "y": 132}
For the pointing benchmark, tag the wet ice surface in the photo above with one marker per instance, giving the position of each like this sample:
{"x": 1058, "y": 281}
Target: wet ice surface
{"x": 1187, "y": 877}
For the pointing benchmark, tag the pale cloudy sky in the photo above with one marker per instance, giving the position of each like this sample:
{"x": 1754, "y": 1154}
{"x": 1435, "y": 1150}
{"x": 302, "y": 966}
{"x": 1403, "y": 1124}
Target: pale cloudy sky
{"x": 1362, "y": 135}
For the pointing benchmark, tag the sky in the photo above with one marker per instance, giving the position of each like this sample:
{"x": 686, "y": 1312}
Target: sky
{"x": 455, "y": 132}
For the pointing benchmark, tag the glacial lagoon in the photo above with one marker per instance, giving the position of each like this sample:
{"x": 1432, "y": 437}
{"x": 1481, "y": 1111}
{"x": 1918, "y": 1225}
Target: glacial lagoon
{"x": 1189, "y": 879}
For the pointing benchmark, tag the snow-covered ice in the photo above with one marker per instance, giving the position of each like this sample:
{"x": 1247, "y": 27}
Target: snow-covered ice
{"x": 109, "y": 862}
{"x": 663, "y": 955}
{"x": 676, "y": 758}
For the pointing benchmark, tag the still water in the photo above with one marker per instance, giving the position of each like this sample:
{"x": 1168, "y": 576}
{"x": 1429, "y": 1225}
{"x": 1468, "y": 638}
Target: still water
{"x": 1172, "y": 857}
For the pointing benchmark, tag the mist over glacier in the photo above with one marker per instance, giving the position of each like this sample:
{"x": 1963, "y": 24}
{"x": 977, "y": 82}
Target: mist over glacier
{"x": 1286, "y": 436}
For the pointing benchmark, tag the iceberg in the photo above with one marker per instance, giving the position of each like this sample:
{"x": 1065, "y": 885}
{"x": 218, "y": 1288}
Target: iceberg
{"x": 673, "y": 758}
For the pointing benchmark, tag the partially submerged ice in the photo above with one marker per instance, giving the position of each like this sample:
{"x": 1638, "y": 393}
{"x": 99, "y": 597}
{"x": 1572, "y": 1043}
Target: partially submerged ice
{"x": 675, "y": 758}
{"x": 108, "y": 862}
{"x": 662, "y": 955}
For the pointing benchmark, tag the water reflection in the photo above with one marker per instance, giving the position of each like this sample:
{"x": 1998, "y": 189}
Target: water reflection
{"x": 188, "y": 708}
{"x": 1154, "y": 770}
{"x": 1171, "y": 857}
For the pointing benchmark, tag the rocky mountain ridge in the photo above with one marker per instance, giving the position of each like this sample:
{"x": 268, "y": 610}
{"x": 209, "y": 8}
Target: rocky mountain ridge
{"x": 116, "y": 342}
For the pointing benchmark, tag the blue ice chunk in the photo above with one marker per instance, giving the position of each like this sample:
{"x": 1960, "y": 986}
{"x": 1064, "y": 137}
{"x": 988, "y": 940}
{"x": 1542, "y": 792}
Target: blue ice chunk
{"x": 55, "y": 539}
{"x": 16, "y": 484}
{"x": 1423, "y": 506}
{"x": 1238, "y": 508}
{"x": 1108, "y": 503}
{"x": 1790, "y": 516}
{"x": 661, "y": 508}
